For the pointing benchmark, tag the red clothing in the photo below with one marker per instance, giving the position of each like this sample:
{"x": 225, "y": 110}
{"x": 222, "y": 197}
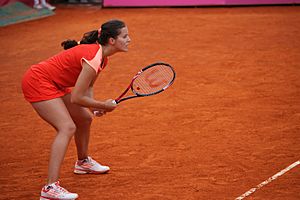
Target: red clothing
{"x": 53, "y": 78}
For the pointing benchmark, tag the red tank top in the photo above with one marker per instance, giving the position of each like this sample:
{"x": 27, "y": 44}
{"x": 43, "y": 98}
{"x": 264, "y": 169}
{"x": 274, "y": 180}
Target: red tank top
{"x": 64, "y": 68}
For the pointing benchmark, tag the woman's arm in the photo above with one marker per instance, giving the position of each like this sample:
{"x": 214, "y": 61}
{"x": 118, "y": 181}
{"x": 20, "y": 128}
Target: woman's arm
{"x": 82, "y": 93}
{"x": 90, "y": 92}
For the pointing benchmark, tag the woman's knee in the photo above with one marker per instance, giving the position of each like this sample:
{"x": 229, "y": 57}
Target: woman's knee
{"x": 84, "y": 120}
{"x": 88, "y": 119}
{"x": 68, "y": 129}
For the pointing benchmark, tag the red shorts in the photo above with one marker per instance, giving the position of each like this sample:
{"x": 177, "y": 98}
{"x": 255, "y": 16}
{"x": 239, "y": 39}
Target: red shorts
{"x": 37, "y": 87}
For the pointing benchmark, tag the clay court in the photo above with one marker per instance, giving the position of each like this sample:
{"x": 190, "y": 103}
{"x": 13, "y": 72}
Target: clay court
{"x": 230, "y": 121}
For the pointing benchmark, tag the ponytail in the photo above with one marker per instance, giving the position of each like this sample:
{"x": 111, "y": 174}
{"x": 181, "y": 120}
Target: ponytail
{"x": 88, "y": 38}
{"x": 69, "y": 44}
{"x": 110, "y": 29}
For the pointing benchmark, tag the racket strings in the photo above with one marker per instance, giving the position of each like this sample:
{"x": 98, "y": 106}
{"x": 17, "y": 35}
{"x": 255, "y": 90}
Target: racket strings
{"x": 153, "y": 79}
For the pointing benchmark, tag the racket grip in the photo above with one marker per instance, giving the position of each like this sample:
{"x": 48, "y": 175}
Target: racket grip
{"x": 114, "y": 102}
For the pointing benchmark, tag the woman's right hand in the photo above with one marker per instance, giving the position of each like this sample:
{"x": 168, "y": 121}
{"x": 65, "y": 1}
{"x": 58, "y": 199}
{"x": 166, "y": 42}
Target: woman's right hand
{"x": 110, "y": 105}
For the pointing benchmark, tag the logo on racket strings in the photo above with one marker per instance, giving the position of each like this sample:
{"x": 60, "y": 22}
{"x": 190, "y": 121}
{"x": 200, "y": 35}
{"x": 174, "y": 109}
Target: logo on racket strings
{"x": 154, "y": 78}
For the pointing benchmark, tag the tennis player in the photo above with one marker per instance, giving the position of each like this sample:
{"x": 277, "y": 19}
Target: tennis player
{"x": 47, "y": 86}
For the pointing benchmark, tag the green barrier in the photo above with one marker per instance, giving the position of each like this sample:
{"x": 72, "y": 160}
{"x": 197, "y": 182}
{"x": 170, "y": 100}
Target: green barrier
{"x": 18, "y": 12}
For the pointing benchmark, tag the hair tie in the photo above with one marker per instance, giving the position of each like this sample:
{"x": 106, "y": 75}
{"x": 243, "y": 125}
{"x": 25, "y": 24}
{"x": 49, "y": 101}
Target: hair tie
{"x": 99, "y": 32}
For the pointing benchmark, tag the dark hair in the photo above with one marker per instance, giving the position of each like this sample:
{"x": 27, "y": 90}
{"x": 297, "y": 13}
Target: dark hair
{"x": 110, "y": 29}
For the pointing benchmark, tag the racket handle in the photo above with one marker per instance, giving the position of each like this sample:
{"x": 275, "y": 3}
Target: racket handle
{"x": 97, "y": 112}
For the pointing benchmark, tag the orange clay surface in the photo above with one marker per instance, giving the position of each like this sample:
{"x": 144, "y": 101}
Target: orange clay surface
{"x": 230, "y": 121}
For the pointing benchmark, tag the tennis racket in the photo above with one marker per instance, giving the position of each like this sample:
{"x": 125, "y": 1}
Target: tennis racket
{"x": 150, "y": 80}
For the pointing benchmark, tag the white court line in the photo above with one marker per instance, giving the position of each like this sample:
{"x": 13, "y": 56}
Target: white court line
{"x": 269, "y": 180}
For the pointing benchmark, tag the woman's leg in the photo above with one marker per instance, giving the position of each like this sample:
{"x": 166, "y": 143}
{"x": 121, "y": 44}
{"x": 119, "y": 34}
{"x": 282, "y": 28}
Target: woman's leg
{"x": 55, "y": 113}
{"x": 83, "y": 120}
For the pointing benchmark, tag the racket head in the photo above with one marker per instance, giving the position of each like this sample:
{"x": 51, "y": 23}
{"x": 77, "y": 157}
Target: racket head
{"x": 153, "y": 79}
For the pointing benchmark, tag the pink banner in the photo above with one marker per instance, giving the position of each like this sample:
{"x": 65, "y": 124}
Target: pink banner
{"x": 141, "y": 3}
{"x": 108, "y": 3}
{"x": 250, "y": 2}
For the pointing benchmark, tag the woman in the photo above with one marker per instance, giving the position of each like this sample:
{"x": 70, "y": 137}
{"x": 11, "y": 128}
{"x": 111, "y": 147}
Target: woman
{"x": 47, "y": 87}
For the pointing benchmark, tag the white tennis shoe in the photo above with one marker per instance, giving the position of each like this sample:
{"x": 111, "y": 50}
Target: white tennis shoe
{"x": 56, "y": 192}
{"x": 38, "y": 6}
{"x": 48, "y": 6}
{"x": 89, "y": 166}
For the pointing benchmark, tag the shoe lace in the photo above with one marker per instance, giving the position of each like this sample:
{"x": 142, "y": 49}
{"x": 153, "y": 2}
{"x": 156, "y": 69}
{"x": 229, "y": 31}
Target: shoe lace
{"x": 89, "y": 160}
{"x": 60, "y": 189}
